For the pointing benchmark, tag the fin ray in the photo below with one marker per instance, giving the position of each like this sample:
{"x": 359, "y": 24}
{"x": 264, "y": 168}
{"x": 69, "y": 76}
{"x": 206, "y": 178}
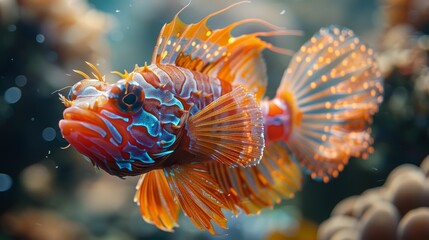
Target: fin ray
{"x": 229, "y": 130}
{"x": 198, "y": 194}
{"x": 336, "y": 87}
{"x": 156, "y": 202}
{"x": 254, "y": 188}
{"x": 216, "y": 53}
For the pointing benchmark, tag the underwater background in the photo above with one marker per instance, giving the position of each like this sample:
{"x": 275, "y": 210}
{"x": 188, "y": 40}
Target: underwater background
{"x": 48, "y": 192}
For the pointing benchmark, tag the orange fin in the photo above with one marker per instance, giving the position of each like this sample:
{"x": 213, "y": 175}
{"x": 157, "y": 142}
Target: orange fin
{"x": 333, "y": 86}
{"x": 156, "y": 202}
{"x": 229, "y": 130}
{"x": 254, "y": 188}
{"x": 198, "y": 194}
{"x": 216, "y": 53}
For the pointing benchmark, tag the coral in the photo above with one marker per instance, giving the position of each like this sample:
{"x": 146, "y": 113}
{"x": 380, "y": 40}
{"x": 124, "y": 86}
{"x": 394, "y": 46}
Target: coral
{"x": 8, "y": 11}
{"x": 74, "y": 28}
{"x": 400, "y": 49}
{"x": 414, "y": 12}
{"x": 397, "y": 210}
{"x": 404, "y": 42}
{"x": 41, "y": 224}
{"x": 49, "y": 38}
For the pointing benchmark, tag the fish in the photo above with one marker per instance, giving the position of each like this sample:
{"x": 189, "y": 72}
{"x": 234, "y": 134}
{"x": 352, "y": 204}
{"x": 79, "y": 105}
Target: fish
{"x": 194, "y": 124}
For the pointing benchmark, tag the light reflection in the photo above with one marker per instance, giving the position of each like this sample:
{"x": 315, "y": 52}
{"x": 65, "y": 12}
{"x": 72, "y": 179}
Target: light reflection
{"x": 21, "y": 80}
{"x": 12, "y": 95}
{"x": 5, "y": 182}
{"x": 49, "y": 134}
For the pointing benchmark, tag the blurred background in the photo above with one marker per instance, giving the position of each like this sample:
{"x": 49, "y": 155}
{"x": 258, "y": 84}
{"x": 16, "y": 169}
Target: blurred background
{"x": 48, "y": 191}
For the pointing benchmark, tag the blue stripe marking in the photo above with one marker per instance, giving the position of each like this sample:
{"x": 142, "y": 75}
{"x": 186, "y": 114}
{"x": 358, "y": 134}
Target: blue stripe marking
{"x": 170, "y": 118}
{"x": 138, "y": 154}
{"x": 165, "y": 98}
{"x": 162, "y": 154}
{"x": 113, "y": 115}
{"x": 113, "y": 142}
{"x": 115, "y": 133}
{"x": 147, "y": 120}
{"x": 172, "y": 102}
{"x": 194, "y": 110}
{"x": 124, "y": 164}
{"x": 168, "y": 138}
{"x": 145, "y": 158}
{"x": 94, "y": 128}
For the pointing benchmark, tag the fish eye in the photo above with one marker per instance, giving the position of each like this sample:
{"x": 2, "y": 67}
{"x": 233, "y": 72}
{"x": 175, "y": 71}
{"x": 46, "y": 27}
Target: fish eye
{"x": 130, "y": 99}
{"x": 128, "y": 96}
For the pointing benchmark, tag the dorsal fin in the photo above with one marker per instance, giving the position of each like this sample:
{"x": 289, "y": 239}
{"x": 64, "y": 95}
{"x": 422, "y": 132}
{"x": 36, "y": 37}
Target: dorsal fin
{"x": 216, "y": 53}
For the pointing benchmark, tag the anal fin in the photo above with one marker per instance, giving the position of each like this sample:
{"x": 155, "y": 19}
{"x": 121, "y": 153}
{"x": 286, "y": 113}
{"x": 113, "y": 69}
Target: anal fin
{"x": 257, "y": 187}
{"x": 156, "y": 202}
{"x": 198, "y": 194}
{"x": 229, "y": 130}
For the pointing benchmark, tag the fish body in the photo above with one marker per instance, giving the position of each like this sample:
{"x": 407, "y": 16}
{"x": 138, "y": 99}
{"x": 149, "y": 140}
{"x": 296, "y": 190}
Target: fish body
{"x": 154, "y": 129}
{"x": 194, "y": 127}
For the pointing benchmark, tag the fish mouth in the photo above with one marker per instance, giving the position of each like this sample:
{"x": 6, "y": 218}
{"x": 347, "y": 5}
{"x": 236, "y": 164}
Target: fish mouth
{"x": 78, "y": 120}
{"x": 83, "y": 129}
{"x": 89, "y": 134}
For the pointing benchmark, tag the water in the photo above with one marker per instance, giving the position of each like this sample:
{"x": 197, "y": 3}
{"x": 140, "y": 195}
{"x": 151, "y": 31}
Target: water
{"x": 54, "y": 189}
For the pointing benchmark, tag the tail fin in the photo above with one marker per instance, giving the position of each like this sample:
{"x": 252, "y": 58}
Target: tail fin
{"x": 332, "y": 88}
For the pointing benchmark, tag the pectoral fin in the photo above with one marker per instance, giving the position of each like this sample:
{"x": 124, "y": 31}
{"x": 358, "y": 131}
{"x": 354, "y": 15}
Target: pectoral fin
{"x": 229, "y": 130}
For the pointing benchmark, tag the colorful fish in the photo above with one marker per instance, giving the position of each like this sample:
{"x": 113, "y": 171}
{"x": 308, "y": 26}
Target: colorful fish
{"x": 194, "y": 127}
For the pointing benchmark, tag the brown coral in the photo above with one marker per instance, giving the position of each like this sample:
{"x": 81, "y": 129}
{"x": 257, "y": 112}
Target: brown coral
{"x": 74, "y": 28}
{"x": 397, "y": 210}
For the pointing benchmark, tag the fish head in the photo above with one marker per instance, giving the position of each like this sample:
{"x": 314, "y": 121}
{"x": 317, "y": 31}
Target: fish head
{"x": 116, "y": 127}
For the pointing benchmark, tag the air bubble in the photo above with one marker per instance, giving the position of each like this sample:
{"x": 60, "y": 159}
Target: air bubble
{"x": 21, "y": 80}
{"x": 49, "y": 134}
{"x": 5, "y": 182}
{"x": 40, "y": 38}
{"x": 12, "y": 95}
{"x": 52, "y": 56}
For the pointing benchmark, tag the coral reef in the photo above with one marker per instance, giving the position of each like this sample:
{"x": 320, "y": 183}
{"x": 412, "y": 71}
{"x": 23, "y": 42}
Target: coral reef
{"x": 49, "y": 38}
{"x": 41, "y": 224}
{"x": 41, "y": 42}
{"x": 403, "y": 46}
{"x": 397, "y": 210}
{"x": 74, "y": 29}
